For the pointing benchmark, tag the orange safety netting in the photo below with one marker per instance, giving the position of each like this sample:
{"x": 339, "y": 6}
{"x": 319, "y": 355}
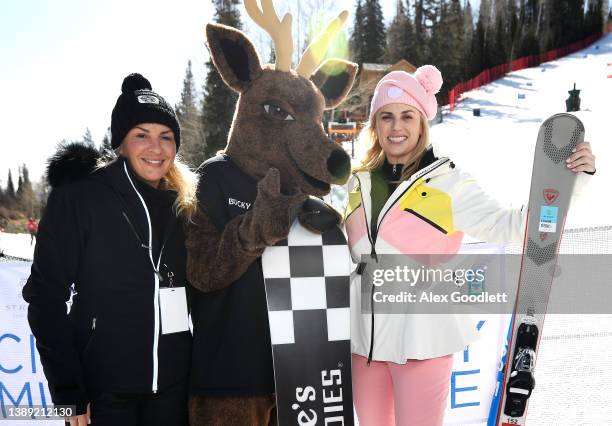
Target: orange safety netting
{"x": 491, "y": 74}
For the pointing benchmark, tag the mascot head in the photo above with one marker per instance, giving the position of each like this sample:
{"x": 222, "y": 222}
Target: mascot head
{"x": 278, "y": 117}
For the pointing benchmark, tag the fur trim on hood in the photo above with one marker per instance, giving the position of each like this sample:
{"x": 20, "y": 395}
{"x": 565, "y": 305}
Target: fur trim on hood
{"x": 70, "y": 163}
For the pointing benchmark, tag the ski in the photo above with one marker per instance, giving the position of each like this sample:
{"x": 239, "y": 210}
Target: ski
{"x": 552, "y": 184}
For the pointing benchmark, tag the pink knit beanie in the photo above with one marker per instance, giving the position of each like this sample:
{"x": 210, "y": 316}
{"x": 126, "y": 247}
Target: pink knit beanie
{"x": 417, "y": 90}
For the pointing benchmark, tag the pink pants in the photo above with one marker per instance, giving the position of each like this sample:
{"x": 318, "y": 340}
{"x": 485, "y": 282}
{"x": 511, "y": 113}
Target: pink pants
{"x": 411, "y": 394}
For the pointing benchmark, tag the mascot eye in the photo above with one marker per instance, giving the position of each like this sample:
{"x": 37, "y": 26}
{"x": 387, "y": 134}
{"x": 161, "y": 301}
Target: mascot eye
{"x": 277, "y": 113}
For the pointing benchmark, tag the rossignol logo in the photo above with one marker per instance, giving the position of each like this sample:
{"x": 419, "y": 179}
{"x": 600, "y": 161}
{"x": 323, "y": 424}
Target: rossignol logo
{"x": 550, "y": 195}
{"x": 333, "y": 408}
{"x": 148, "y": 99}
{"x": 240, "y": 204}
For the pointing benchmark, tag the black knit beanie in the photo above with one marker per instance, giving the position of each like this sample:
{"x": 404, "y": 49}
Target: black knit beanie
{"x": 138, "y": 104}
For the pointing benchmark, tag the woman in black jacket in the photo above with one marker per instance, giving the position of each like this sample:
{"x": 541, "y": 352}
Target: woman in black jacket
{"x": 112, "y": 237}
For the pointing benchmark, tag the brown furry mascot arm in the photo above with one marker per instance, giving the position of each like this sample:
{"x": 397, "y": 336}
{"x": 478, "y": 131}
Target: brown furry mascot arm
{"x": 215, "y": 259}
{"x": 206, "y": 246}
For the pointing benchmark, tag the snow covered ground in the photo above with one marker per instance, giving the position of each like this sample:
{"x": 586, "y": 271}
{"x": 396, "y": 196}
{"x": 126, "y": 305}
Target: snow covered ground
{"x": 16, "y": 245}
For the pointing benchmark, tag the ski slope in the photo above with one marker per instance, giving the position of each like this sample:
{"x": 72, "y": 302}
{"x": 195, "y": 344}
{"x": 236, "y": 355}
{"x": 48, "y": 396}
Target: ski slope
{"x": 573, "y": 374}
{"x": 497, "y": 148}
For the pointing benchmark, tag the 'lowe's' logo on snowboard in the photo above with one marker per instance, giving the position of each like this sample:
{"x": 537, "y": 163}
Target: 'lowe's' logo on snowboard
{"x": 331, "y": 382}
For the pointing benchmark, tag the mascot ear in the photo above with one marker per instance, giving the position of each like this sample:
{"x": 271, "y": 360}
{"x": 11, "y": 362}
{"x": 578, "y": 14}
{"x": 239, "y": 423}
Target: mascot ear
{"x": 334, "y": 78}
{"x": 233, "y": 55}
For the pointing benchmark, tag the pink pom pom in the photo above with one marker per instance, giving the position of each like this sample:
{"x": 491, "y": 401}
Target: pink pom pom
{"x": 430, "y": 78}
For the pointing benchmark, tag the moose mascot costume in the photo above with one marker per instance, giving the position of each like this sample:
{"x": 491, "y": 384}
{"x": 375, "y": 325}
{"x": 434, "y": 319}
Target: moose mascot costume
{"x": 277, "y": 162}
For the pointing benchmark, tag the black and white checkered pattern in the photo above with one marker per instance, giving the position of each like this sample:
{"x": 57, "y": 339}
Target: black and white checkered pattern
{"x": 307, "y": 280}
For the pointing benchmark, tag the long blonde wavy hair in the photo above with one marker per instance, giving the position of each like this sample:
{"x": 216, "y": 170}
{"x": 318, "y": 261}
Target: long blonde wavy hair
{"x": 184, "y": 181}
{"x": 180, "y": 178}
{"x": 375, "y": 156}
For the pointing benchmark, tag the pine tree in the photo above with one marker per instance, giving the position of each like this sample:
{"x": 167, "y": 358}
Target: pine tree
{"x": 10, "y": 191}
{"x": 2, "y": 196}
{"x": 26, "y": 200}
{"x": 106, "y": 149}
{"x": 219, "y": 100}
{"x": 438, "y": 25}
{"x": 42, "y": 189}
{"x": 432, "y": 13}
{"x": 551, "y": 36}
{"x": 513, "y": 30}
{"x": 565, "y": 23}
{"x": 497, "y": 46}
{"x": 456, "y": 23}
{"x": 529, "y": 22}
{"x": 358, "y": 37}
{"x": 420, "y": 35}
{"x": 530, "y": 45}
{"x": 536, "y": 15}
{"x": 574, "y": 22}
{"x": 478, "y": 58}
{"x": 193, "y": 145}
{"x": 468, "y": 25}
{"x": 447, "y": 43}
{"x": 484, "y": 14}
{"x": 106, "y": 144}
{"x": 593, "y": 21}
{"x": 374, "y": 32}
{"x": 88, "y": 139}
{"x": 400, "y": 37}
{"x": 531, "y": 10}
{"x": 498, "y": 33}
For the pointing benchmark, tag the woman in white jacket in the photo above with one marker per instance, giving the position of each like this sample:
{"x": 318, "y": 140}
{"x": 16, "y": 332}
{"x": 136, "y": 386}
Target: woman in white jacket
{"x": 405, "y": 200}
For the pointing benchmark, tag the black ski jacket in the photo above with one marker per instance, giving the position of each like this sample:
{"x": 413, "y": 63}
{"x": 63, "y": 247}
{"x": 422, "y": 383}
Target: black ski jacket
{"x": 94, "y": 234}
{"x": 232, "y": 353}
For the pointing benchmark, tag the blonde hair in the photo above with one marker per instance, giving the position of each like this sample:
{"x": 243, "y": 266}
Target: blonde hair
{"x": 180, "y": 178}
{"x": 375, "y": 156}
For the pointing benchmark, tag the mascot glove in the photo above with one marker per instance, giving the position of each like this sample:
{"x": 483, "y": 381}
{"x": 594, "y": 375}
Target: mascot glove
{"x": 273, "y": 212}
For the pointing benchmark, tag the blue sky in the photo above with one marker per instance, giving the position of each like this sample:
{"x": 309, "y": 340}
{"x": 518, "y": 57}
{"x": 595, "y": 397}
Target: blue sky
{"x": 63, "y": 61}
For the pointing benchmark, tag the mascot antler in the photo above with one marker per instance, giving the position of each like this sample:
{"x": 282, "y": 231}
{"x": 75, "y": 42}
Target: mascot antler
{"x": 315, "y": 52}
{"x": 280, "y": 31}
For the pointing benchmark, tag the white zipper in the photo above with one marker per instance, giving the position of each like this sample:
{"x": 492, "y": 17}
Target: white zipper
{"x": 156, "y": 275}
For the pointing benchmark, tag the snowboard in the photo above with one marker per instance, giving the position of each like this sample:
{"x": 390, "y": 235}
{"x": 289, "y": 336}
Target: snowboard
{"x": 307, "y": 281}
{"x": 552, "y": 184}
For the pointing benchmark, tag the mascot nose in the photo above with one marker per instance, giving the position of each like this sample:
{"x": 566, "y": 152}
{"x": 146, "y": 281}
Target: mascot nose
{"x": 339, "y": 166}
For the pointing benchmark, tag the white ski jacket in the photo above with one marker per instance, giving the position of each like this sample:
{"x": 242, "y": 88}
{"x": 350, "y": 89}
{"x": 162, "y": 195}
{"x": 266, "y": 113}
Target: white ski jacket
{"x": 428, "y": 213}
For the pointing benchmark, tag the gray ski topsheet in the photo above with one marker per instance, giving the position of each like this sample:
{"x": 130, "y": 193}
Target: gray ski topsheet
{"x": 552, "y": 185}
